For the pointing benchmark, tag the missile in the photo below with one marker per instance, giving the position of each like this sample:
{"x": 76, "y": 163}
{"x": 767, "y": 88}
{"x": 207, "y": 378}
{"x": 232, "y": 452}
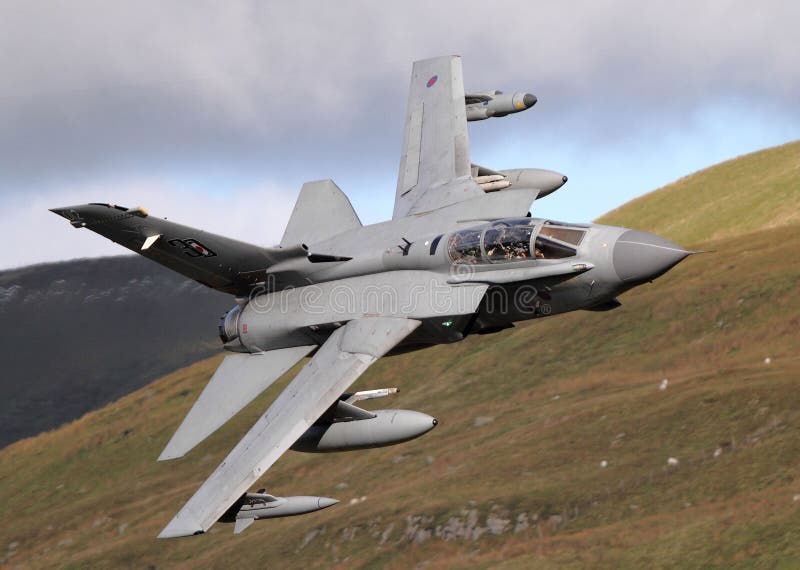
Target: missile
{"x": 482, "y": 106}
{"x": 255, "y": 506}
{"x": 493, "y": 182}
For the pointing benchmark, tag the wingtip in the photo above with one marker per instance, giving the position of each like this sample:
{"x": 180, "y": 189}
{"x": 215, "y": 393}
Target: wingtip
{"x": 59, "y": 211}
{"x": 176, "y": 447}
{"x": 168, "y": 455}
{"x": 70, "y": 214}
{"x": 173, "y": 530}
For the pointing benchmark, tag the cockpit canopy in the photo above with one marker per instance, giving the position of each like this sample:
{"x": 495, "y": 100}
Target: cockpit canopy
{"x": 514, "y": 240}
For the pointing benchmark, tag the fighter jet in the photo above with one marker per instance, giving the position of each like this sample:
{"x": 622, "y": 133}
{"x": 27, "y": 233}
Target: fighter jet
{"x": 460, "y": 256}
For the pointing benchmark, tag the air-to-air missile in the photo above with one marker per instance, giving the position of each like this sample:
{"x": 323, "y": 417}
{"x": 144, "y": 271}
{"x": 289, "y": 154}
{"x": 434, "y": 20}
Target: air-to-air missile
{"x": 489, "y": 104}
{"x": 495, "y": 103}
{"x": 254, "y": 506}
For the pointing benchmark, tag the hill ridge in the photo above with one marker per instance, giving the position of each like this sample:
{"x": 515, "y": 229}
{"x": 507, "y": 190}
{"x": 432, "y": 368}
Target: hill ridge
{"x": 743, "y": 194}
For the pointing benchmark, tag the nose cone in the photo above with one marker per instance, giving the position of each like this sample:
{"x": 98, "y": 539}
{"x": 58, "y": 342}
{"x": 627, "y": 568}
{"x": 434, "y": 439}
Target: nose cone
{"x": 325, "y": 502}
{"x": 640, "y": 256}
{"x": 413, "y": 423}
{"x": 529, "y": 100}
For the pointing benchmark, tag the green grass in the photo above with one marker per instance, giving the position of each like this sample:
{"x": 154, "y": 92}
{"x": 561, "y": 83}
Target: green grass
{"x": 757, "y": 191}
{"x": 564, "y": 394}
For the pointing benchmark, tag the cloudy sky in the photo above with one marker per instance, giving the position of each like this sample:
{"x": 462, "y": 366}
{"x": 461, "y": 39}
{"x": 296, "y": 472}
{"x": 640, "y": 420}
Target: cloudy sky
{"x": 214, "y": 113}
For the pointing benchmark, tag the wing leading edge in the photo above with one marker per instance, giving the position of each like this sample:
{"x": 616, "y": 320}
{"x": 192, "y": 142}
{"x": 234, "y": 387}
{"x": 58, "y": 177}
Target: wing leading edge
{"x": 218, "y": 262}
{"x": 347, "y": 353}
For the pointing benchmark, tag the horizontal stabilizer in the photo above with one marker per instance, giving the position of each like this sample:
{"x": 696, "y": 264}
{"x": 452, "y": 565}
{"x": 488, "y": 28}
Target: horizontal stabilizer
{"x": 237, "y": 382}
{"x": 322, "y": 211}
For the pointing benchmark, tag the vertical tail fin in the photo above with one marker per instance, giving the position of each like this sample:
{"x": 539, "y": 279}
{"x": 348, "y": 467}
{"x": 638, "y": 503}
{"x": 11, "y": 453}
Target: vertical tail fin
{"x": 322, "y": 211}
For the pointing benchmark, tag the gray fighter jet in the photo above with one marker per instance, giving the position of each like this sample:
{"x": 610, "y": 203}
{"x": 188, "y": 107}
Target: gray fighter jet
{"x": 462, "y": 255}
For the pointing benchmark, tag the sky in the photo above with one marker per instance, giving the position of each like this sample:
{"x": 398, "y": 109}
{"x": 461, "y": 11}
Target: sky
{"x": 213, "y": 114}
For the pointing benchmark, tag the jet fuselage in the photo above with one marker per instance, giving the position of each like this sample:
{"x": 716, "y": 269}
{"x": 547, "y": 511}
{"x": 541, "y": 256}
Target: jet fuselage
{"x": 471, "y": 278}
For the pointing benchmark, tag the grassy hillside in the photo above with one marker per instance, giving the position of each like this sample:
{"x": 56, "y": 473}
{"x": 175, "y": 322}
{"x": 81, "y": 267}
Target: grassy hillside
{"x": 753, "y": 192}
{"x": 512, "y": 476}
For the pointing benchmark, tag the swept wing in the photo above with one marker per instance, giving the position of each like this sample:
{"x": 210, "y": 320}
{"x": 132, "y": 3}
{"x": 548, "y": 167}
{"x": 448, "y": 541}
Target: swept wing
{"x": 347, "y": 353}
{"x": 219, "y": 262}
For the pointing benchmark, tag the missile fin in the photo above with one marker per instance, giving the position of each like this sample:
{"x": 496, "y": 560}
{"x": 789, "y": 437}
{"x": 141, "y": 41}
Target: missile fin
{"x": 242, "y": 524}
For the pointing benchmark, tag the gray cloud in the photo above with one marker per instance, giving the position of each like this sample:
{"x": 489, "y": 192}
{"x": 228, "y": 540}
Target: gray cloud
{"x": 283, "y": 92}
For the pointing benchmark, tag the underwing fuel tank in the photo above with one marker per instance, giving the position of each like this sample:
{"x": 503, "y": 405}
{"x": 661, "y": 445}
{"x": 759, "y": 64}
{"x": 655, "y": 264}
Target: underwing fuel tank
{"x": 261, "y": 505}
{"x": 388, "y": 427}
{"x": 546, "y": 181}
